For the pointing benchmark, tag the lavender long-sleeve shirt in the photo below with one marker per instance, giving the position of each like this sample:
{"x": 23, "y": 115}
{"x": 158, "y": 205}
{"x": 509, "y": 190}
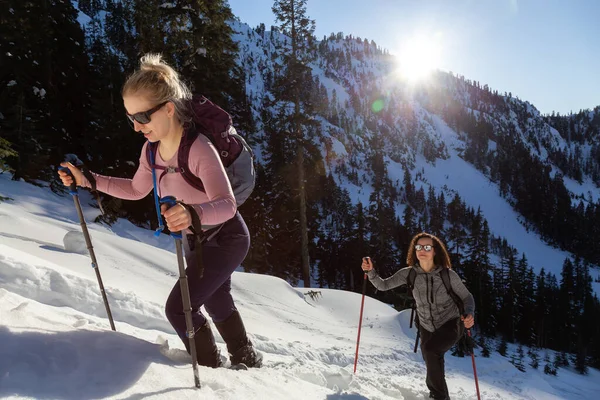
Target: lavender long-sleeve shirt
{"x": 214, "y": 207}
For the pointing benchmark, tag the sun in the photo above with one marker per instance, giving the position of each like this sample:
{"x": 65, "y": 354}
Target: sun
{"x": 417, "y": 57}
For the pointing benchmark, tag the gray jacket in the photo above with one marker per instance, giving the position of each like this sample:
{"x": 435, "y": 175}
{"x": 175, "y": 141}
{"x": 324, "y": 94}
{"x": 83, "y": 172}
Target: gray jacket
{"x": 435, "y": 307}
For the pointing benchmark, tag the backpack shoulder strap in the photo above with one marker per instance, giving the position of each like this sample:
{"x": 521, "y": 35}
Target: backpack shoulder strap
{"x": 151, "y": 149}
{"x": 410, "y": 279}
{"x": 183, "y": 159}
{"x": 445, "y": 275}
{"x": 410, "y": 282}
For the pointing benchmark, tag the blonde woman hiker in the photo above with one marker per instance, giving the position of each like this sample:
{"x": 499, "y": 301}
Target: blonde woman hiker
{"x": 161, "y": 108}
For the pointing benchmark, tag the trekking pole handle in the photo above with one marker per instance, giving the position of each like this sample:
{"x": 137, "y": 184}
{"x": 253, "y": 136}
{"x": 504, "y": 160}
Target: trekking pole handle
{"x": 171, "y": 201}
{"x": 72, "y": 186}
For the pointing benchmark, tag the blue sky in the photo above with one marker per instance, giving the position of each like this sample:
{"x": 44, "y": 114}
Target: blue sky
{"x": 544, "y": 51}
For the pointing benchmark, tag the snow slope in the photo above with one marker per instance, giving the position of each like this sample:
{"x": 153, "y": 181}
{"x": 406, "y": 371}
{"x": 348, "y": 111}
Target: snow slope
{"x": 57, "y": 343}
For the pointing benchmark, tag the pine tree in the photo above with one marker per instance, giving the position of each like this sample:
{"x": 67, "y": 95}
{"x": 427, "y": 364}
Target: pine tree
{"x": 519, "y": 356}
{"x": 477, "y": 266}
{"x": 333, "y": 251}
{"x": 407, "y": 186}
{"x": 106, "y": 123}
{"x": 380, "y": 215}
{"x": 207, "y": 54}
{"x": 280, "y": 203}
{"x": 563, "y": 359}
{"x": 506, "y": 283}
{"x": 549, "y": 367}
{"x": 359, "y": 245}
{"x": 534, "y": 358}
{"x": 513, "y": 358}
{"x": 555, "y": 322}
{"x": 419, "y": 204}
{"x": 257, "y": 216}
{"x": 485, "y": 349}
{"x": 525, "y": 302}
{"x": 502, "y": 347}
{"x": 585, "y": 322}
{"x": 568, "y": 312}
{"x": 580, "y": 362}
{"x": 456, "y": 233}
{"x": 69, "y": 63}
{"x": 410, "y": 226}
{"x": 41, "y": 57}
{"x": 5, "y": 153}
{"x": 436, "y": 217}
{"x": 291, "y": 14}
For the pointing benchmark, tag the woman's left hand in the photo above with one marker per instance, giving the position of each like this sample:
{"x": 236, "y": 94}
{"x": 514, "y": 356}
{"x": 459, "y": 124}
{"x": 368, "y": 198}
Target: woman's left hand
{"x": 178, "y": 217}
{"x": 468, "y": 320}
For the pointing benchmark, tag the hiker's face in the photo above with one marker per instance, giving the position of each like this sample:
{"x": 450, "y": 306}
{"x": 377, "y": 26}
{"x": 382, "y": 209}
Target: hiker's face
{"x": 423, "y": 255}
{"x": 160, "y": 120}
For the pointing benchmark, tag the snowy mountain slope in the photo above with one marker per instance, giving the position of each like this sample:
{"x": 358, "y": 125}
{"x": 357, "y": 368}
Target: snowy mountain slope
{"x": 373, "y": 79}
{"x": 57, "y": 343}
{"x": 454, "y": 175}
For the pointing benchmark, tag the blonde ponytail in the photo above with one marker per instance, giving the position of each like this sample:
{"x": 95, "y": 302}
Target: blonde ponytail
{"x": 156, "y": 80}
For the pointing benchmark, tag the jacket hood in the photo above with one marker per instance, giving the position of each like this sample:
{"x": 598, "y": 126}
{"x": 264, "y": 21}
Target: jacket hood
{"x": 435, "y": 270}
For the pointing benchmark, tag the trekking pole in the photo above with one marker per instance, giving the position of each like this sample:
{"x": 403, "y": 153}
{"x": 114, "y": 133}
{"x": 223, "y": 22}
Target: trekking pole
{"x": 362, "y": 305}
{"x": 474, "y": 368}
{"x": 417, "y": 339}
{"x": 88, "y": 241}
{"x": 185, "y": 293}
{"x": 414, "y": 318}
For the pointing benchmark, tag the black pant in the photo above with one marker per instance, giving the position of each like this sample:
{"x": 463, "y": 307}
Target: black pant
{"x": 433, "y": 347}
{"x": 221, "y": 256}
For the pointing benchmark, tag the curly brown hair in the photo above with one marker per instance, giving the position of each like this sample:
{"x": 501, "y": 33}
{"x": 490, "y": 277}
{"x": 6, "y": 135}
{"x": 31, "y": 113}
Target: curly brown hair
{"x": 441, "y": 254}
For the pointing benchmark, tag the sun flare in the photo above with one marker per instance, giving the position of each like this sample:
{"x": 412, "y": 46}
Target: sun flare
{"x": 417, "y": 57}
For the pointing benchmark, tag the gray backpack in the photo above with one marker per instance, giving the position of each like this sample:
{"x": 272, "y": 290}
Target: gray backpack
{"x": 236, "y": 155}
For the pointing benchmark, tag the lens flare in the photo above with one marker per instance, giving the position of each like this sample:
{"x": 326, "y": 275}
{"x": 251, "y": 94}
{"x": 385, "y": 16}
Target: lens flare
{"x": 377, "y": 106}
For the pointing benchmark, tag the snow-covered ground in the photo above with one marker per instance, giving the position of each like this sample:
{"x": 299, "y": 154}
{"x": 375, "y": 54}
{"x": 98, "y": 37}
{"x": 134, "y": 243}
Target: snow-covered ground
{"x": 56, "y": 343}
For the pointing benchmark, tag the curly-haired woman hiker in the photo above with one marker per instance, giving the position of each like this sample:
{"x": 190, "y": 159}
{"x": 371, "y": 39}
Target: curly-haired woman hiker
{"x": 160, "y": 106}
{"x": 438, "y": 314}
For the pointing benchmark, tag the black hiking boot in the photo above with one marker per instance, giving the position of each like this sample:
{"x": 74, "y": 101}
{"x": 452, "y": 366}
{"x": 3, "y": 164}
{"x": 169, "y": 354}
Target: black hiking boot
{"x": 240, "y": 348}
{"x": 207, "y": 352}
{"x": 438, "y": 397}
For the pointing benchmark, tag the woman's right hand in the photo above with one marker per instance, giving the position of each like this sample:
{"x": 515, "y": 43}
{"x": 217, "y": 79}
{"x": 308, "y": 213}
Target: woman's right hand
{"x": 367, "y": 264}
{"x": 67, "y": 179}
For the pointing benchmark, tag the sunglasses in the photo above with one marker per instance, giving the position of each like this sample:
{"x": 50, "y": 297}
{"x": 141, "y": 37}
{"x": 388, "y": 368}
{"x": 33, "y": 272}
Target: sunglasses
{"x": 427, "y": 247}
{"x": 144, "y": 116}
